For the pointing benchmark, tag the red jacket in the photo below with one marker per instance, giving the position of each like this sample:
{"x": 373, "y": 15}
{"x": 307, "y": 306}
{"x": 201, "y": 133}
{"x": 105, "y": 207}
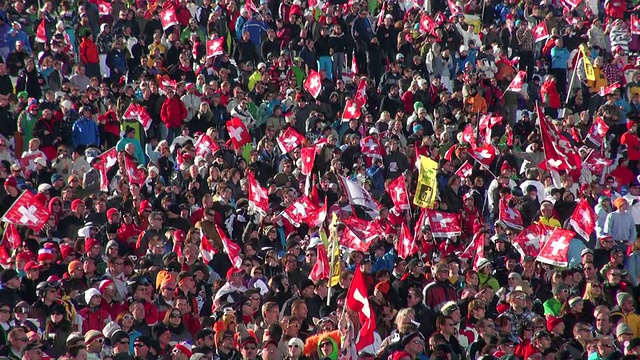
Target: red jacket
{"x": 549, "y": 89}
{"x": 88, "y": 51}
{"x": 615, "y": 8}
{"x": 93, "y": 320}
{"x": 173, "y": 112}
{"x": 114, "y": 309}
{"x": 633, "y": 145}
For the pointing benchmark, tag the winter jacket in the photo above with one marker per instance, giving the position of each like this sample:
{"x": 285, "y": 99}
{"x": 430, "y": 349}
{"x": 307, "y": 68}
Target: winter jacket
{"x": 173, "y": 112}
{"x": 94, "y": 319}
{"x": 549, "y": 95}
{"x": 86, "y": 132}
{"x": 559, "y": 58}
{"x": 88, "y": 51}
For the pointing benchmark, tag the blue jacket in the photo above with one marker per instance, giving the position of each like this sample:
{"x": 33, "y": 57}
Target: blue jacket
{"x": 12, "y": 36}
{"x": 86, "y": 132}
{"x": 363, "y": 28}
{"x": 377, "y": 176}
{"x": 240, "y": 23}
{"x": 138, "y": 153}
{"x": 256, "y": 29}
{"x": 4, "y": 31}
{"x": 559, "y": 58}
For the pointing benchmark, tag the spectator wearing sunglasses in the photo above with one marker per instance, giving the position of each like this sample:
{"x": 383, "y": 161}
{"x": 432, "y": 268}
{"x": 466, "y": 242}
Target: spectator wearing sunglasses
{"x": 93, "y": 340}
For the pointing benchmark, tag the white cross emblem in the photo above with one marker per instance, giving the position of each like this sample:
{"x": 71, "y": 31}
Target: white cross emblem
{"x": 203, "y": 146}
{"x": 539, "y": 30}
{"x": 371, "y": 145}
{"x": 558, "y": 245}
{"x": 352, "y": 109}
{"x": 554, "y": 163}
{"x": 111, "y": 160}
{"x": 28, "y": 214}
{"x": 291, "y": 141}
{"x": 442, "y": 220}
{"x": 586, "y": 217}
{"x": 236, "y": 133}
{"x": 512, "y": 214}
{"x": 483, "y": 154}
{"x": 299, "y": 209}
{"x": 258, "y": 191}
{"x": 364, "y": 301}
{"x": 532, "y": 240}
{"x": 315, "y": 82}
{"x": 466, "y": 172}
{"x": 168, "y": 17}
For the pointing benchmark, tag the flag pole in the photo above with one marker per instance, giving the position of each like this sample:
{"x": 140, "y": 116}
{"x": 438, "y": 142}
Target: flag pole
{"x": 573, "y": 76}
{"x": 332, "y": 238}
{"x": 406, "y": 190}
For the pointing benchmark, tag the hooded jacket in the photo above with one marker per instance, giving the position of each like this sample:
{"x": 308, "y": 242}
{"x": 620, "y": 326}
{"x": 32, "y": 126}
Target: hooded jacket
{"x": 173, "y": 112}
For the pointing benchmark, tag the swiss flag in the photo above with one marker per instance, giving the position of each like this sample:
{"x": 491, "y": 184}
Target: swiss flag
{"x": 606, "y": 90}
{"x": 555, "y": 250}
{"x": 289, "y": 140}
{"x": 135, "y": 175}
{"x": 205, "y": 145}
{"x": 11, "y": 236}
{"x": 299, "y": 211}
{"x": 468, "y": 135}
{"x": 371, "y": 146}
{"x": 398, "y": 191}
{"x": 308, "y": 157}
{"x": 207, "y": 250}
{"x": 528, "y": 241}
{"x": 109, "y": 158}
{"x": 510, "y": 216}
{"x": 138, "y": 112}
{"x": 168, "y": 18}
{"x": 28, "y": 163}
{"x": 559, "y": 154}
{"x": 427, "y": 24}
{"x": 517, "y": 82}
{"x": 443, "y": 224}
{"x": 635, "y": 25}
{"x": 406, "y": 245}
{"x": 465, "y": 170}
{"x": 357, "y": 300}
{"x": 597, "y": 131}
{"x": 583, "y": 220}
{"x": 27, "y": 211}
{"x": 351, "y": 110}
{"x": 319, "y": 144}
{"x": 215, "y": 47}
{"x": 104, "y": 7}
{"x": 455, "y": 8}
{"x": 540, "y": 31}
{"x": 320, "y": 269}
{"x": 359, "y": 234}
{"x": 317, "y": 214}
{"x": 41, "y": 32}
{"x": 238, "y": 132}
{"x": 439, "y": 18}
{"x": 484, "y": 155}
{"x": 361, "y": 93}
{"x": 232, "y": 249}
{"x": 570, "y": 5}
{"x": 596, "y": 162}
{"x": 488, "y": 121}
{"x": 313, "y": 83}
{"x": 258, "y": 197}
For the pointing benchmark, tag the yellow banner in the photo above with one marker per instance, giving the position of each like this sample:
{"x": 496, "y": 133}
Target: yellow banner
{"x": 427, "y": 186}
{"x": 333, "y": 250}
{"x": 588, "y": 67}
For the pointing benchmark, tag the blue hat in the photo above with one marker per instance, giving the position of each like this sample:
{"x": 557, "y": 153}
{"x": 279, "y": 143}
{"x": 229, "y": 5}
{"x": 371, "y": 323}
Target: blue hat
{"x": 55, "y": 177}
{"x": 417, "y": 127}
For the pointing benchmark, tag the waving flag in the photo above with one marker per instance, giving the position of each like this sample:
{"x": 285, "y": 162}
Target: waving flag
{"x": 232, "y": 249}
{"x": 518, "y": 81}
{"x": 289, "y": 140}
{"x": 313, "y": 83}
{"x": 427, "y": 24}
{"x": 398, "y": 191}
{"x": 597, "y": 131}
{"x": 168, "y": 18}
{"x": 27, "y": 211}
{"x": 540, "y": 31}
{"x": 584, "y": 218}
{"x": 357, "y": 300}
{"x": 371, "y": 147}
{"x": 238, "y": 132}
{"x": 138, "y": 112}
{"x": 528, "y": 241}
{"x": 406, "y": 244}
{"x": 215, "y": 47}
{"x": 558, "y": 151}
{"x": 555, "y": 250}
{"x": 308, "y": 157}
{"x": 465, "y": 170}
{"x": 443, "y": 224}
{"x": 358, "y": 196}
{"x": 351, "y": 111}
{"x": 320, "y": 269}
{"x": 510, "y": 216}
{"x": 205, "y": 145}
{"x": 258, "y": 197}
{"x": 635, "y": 25}
{"x": 104, "y": 8}
{"x": 206, "y": 248}
{"x": 484, "y": 155}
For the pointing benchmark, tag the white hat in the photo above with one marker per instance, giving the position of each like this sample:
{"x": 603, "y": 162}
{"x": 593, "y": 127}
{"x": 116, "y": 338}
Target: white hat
{"x": 84, "y": 232}
{"x": 90, "y": 293}
{"x": 373, "y": 131}
{"x": 44, "y": 187}
{"x": 262, "y": 65}
{"x": 463, "y": 48}
{"x": 482, "y": 263}
{"x": 42, "y": 161}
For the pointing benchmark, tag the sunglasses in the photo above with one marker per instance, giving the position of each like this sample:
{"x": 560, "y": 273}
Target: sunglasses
{"x": 127, "y": 317}
{"x": 294, "y": 346}
{"x": 176, "y": 315}
{"x": 124, "y": 342}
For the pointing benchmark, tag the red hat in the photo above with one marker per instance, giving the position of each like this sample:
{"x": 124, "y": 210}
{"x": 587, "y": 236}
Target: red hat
{"x": 502, "y": 307}
{"x": 178, "y": 236}
{"x": 44, "y": 255}
{"x": 32, "y": 265}
{"x": 144, "y": 205}
{"x": 184, "y": 347}
{"x": 505, "y": 166}
{"x": 552, "y": 322}
{"x": 25, "y": 255}
{"x": 383, "y": 287}
{"x": 110, "y": 212}
{"x": 104, "y": 284}
{"x": 233, "y": 271}
{"x": 75, "y": 203}
{"x": 51, "y": 246}
{"x": 66, "y": 250}
{"x": 10, "y": 181}
{"x": 630, "y": 124}
{"x": 89, "y": 243}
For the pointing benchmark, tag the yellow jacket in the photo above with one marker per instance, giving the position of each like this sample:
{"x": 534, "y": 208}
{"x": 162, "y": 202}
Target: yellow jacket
{"x": 549, "y": 222}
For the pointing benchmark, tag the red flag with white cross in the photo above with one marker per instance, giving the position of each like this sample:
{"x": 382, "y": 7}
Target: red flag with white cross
{"x": 27, "y": 211}
{"x": 238, "y": 132}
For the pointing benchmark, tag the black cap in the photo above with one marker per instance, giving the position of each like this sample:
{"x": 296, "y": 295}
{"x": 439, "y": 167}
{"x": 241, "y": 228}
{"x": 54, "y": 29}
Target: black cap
{"x": 203, "y": 334}
{"x": 410, "y": 336}
{"x": 531, "y": 188}
{"x": 541, "y": 334}
{"x": 7, "y": 274}
{"x": 32, "y": 345}
{"x": 144, "y": 340}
